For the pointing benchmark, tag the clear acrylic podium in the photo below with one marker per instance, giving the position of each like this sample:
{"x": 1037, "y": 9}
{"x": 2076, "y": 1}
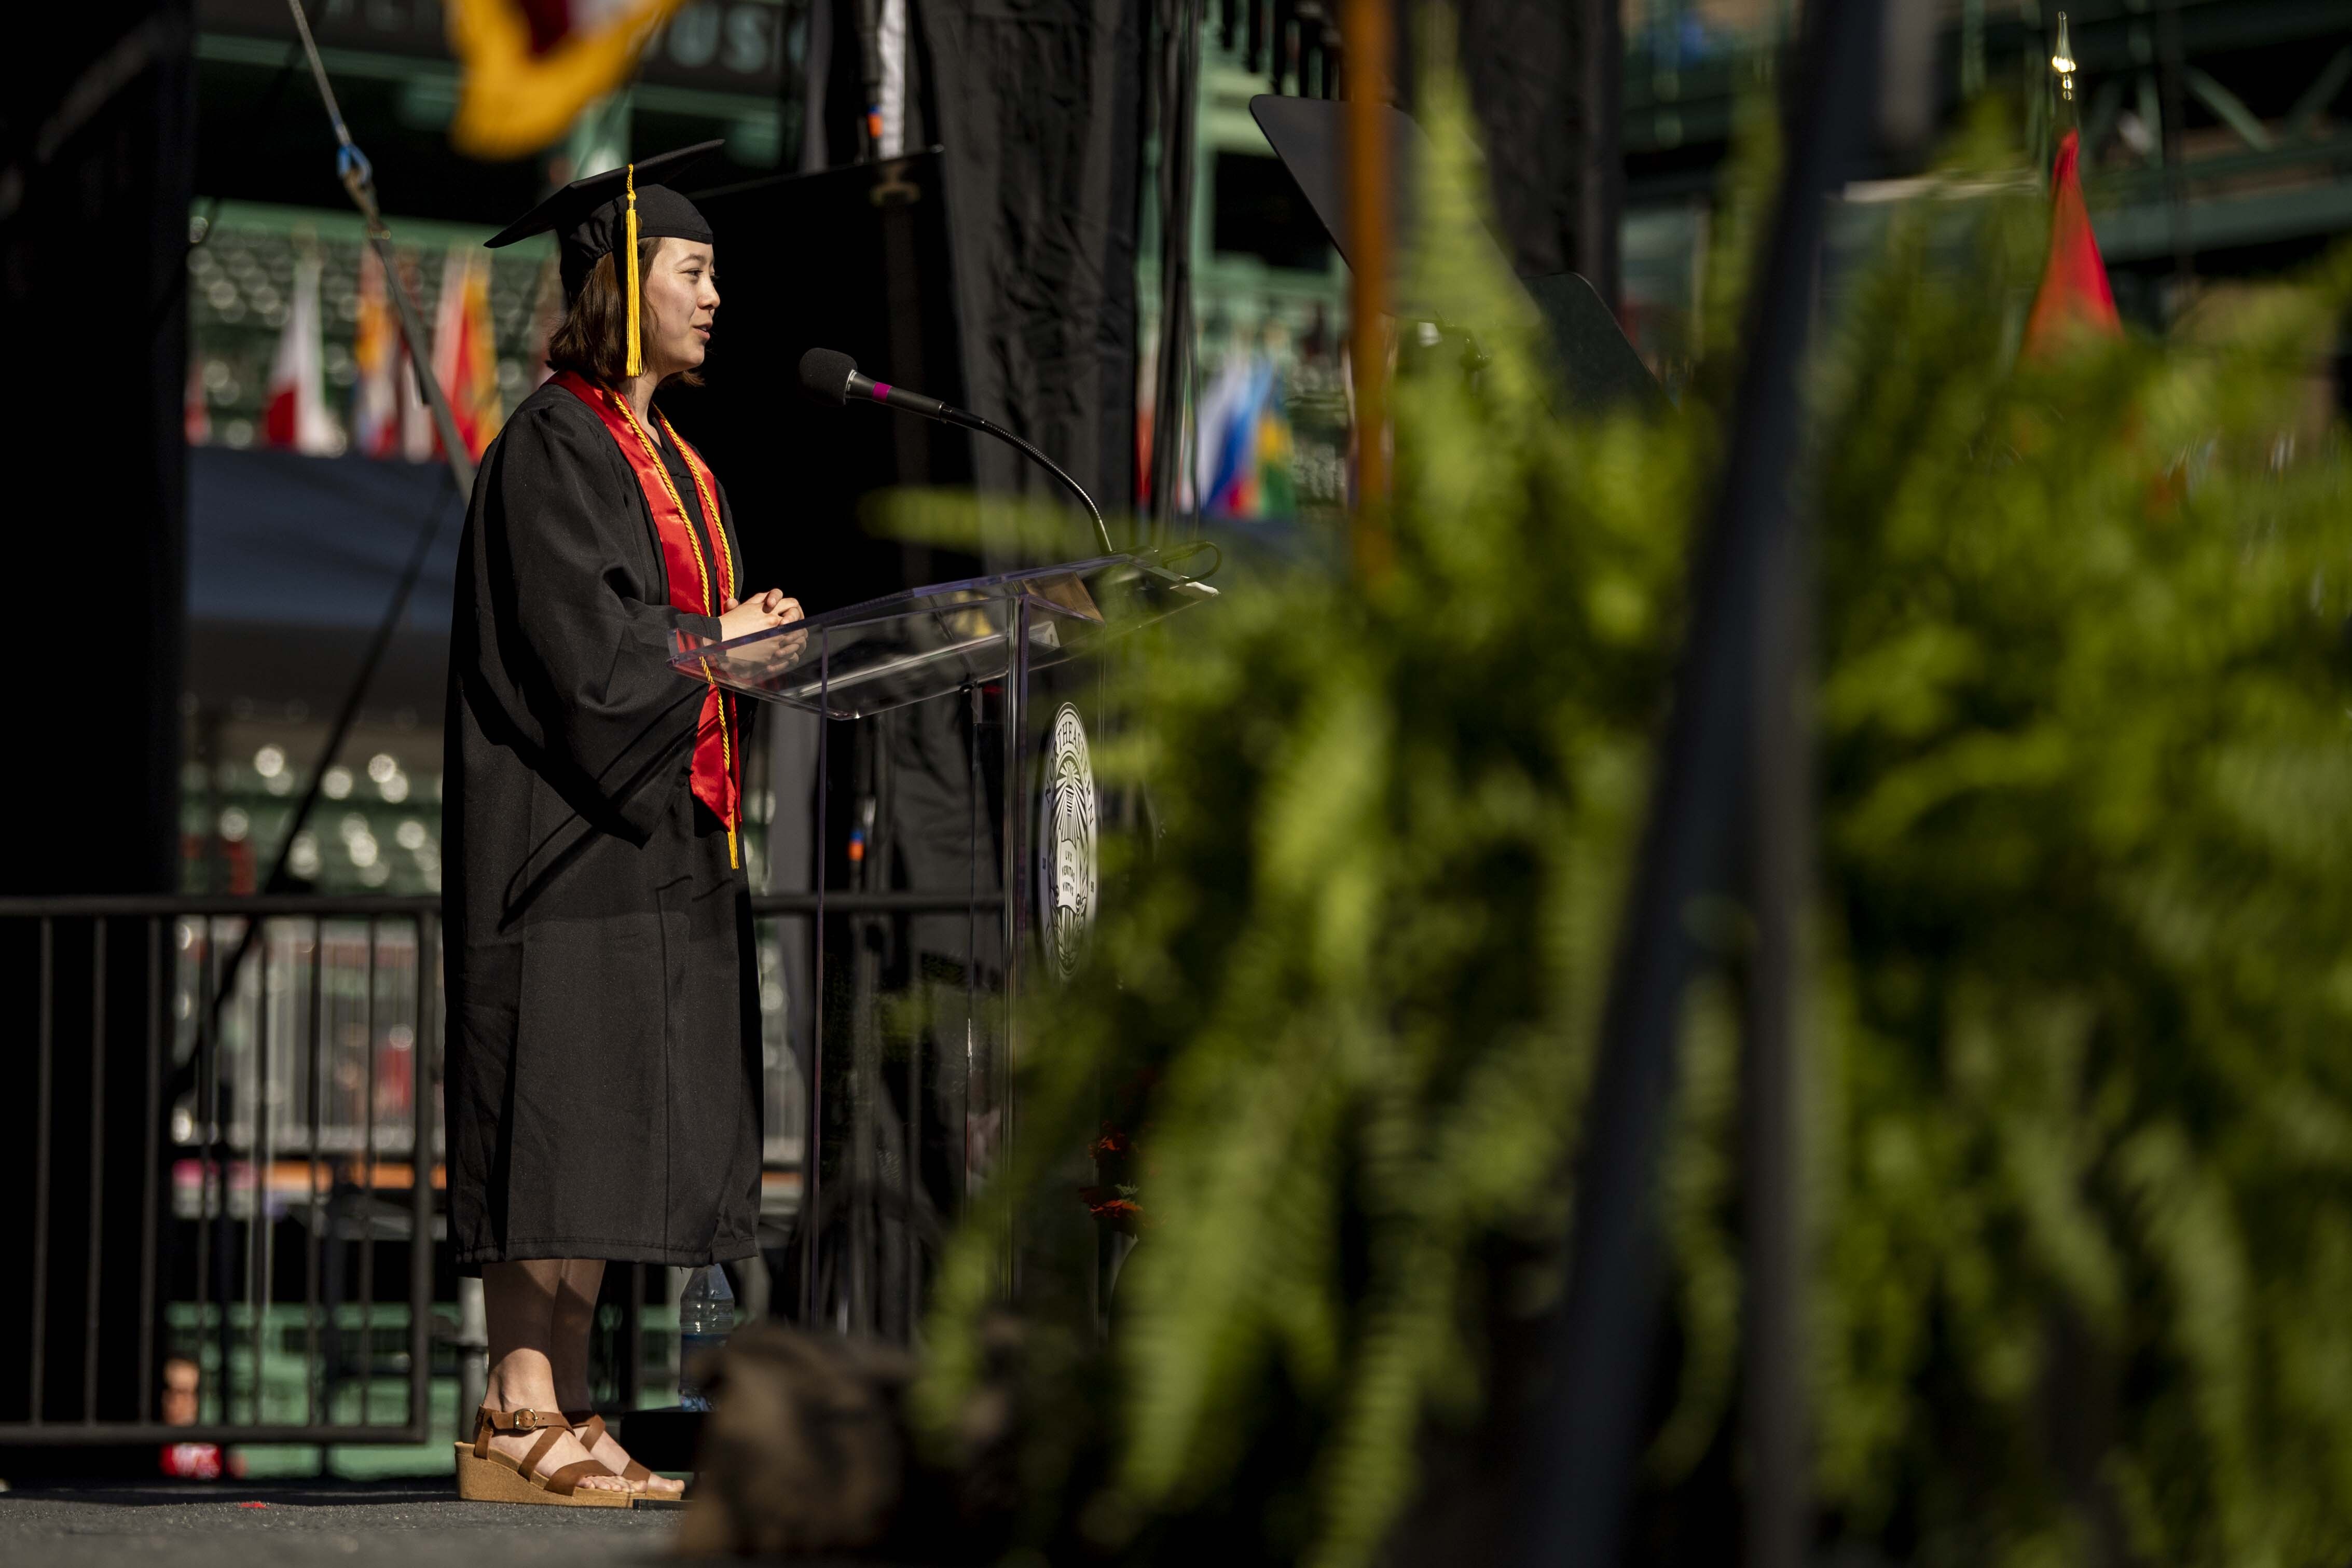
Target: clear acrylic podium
{"x": 929, "y": 642}
{"x": 993, "y": 887}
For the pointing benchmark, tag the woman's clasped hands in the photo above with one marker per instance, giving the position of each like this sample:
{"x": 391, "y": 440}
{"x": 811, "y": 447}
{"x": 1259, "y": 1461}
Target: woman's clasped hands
{"x": 764, "y": 611}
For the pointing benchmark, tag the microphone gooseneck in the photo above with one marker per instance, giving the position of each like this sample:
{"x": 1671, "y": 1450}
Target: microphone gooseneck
{"x": 831, "y": 376}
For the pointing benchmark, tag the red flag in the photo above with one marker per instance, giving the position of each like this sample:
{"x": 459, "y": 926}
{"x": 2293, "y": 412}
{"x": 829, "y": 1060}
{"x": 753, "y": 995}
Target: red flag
{"x": 195, "y": 413}
{"x": 2073, "y": 295}
{"x": 465, "y": 348}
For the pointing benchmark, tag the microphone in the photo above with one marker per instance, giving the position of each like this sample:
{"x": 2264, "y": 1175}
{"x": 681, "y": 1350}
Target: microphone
{"x": 831, "y": 376}
{"x": 834, "y": 377}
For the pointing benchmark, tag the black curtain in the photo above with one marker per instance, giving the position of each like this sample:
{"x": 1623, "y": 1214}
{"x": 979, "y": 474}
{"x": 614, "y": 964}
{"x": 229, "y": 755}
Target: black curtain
{"x": 1514, "y": 57}
{"x": 1038, "y": 105}
{"x": 96, "y": 122}
{"x": 1543, "y": 78}
{"x": 97, "y": 139}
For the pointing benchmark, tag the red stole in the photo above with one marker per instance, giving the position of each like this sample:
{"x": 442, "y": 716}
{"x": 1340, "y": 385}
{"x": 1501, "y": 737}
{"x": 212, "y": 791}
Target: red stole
{"x": 700, "y": 586}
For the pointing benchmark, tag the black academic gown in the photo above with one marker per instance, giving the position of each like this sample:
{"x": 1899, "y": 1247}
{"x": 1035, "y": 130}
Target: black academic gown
{"x": 603, "y": 1077}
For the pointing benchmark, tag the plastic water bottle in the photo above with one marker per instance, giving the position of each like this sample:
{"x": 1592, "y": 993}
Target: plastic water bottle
{"x": 706, "y": 1311}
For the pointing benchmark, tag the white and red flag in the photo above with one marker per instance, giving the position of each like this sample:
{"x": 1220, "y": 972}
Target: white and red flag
{"x": 418, "y": 441}
{"x": 297, "y": 415}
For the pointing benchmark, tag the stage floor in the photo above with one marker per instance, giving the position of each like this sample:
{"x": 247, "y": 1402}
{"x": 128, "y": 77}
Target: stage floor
{"x": 306, "y": 1522}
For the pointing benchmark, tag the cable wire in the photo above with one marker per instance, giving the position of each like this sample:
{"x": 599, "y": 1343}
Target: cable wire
{"x": 358, "y": 177}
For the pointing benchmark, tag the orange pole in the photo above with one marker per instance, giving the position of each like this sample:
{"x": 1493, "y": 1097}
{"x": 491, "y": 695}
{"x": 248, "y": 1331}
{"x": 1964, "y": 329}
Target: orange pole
{"x": 1367, "y": 28}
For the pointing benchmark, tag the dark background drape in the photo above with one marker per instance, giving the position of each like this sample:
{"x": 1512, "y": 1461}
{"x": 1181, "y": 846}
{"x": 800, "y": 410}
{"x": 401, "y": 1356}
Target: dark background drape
{"x": 97, "y": 130}
{"x": 1547, "y": 119}
{"x": 1038, "y": 107}
{"x": 97, "y": 139}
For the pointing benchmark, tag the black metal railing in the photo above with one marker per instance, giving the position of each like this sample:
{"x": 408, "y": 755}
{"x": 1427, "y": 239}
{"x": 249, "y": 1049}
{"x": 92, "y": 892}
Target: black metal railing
{"x": 232, "y": 1168}
{"x": 268, "y": 1143}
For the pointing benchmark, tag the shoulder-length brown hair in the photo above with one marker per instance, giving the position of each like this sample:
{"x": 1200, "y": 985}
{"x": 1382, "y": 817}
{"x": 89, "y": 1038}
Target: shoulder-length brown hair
{"x": 593, "y": 339}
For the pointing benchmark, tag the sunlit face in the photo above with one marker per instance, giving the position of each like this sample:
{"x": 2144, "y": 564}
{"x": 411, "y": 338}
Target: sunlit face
{"x": 681, "y": 300}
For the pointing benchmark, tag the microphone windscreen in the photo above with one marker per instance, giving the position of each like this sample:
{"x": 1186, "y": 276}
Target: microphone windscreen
{"x": 825, "y": 372}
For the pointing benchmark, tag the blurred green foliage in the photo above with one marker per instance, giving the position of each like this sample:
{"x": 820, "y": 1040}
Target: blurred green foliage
{"x": 2082, "y": 1133}
{"x": 2088, "y": 834}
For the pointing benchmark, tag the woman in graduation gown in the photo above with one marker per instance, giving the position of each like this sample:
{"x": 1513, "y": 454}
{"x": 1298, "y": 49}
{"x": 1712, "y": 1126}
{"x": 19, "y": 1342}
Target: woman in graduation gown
{"x": 602, "y": 1090}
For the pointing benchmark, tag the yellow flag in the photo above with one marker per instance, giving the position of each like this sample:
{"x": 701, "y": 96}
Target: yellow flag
{"x": 528, "y": 71}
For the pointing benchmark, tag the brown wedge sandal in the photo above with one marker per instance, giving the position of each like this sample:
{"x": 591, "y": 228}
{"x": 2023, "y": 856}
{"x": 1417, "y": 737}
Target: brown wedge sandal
{"x": 485, "y": 1475}
{"x": 589, "y": 1428}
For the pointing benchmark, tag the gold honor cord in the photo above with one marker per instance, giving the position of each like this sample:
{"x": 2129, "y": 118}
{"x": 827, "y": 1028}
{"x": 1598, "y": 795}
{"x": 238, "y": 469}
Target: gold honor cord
{"x": 718, "y": 530}
{"x": 637, "y": 364}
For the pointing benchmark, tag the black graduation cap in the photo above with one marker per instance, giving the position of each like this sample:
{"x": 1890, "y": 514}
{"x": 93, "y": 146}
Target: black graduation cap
{"x": 593, "y": 216}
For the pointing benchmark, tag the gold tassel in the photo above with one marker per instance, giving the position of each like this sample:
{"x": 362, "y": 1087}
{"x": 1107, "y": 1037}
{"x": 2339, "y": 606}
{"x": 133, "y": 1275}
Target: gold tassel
{"x": 636, "y": 366}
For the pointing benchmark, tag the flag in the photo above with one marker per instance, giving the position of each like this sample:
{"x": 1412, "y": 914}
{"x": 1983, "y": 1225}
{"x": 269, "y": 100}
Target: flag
{"x": 465, "y": 348}
{"x": 529, "y": 66}
{"x": 418, "y": 442}
{"x": 1250, "y": 445}
{"x": 1278, "y": 450}
{"x": 2074, "y": 296}
{"x": 375, "y": 352}
{"x": 195, "y": 413}
{"x": 1221, "y": 405}
{"x": 546, "y": 315}
{"x": 297, "y": 415}
{"x": 1231, "y": 490}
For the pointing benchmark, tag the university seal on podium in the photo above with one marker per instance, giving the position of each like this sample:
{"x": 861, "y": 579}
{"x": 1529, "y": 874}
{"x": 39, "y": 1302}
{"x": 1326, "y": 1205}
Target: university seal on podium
{"x": 1067, "y": 863}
